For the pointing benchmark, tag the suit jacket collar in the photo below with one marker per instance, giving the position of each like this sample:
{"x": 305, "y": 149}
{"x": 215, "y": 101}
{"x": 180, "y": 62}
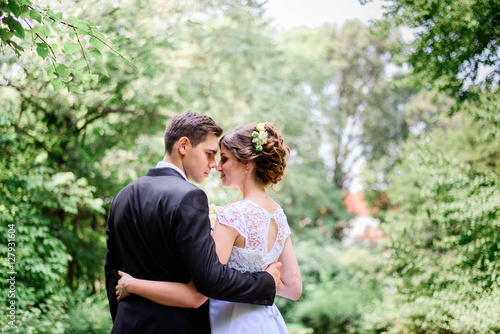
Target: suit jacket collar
{"x": 164, "y": 171}
{"x": 163, "y": 164}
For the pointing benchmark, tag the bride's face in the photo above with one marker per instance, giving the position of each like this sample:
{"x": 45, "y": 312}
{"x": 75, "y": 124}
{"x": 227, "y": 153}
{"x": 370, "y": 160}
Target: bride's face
{"x": 232, "y": 171}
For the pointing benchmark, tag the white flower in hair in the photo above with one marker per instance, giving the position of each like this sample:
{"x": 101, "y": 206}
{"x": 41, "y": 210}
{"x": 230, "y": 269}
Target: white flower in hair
{"x": 259, "y": 137}
{"x": 261, "y": 127}
{"x": 263, "y": 137}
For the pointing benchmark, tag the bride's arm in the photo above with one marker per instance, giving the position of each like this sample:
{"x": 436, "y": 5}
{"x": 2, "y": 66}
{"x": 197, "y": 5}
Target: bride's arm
{"x": 164, "y": 293}
{"x": 224, "y": 237}
{"x": 291, "y": 280}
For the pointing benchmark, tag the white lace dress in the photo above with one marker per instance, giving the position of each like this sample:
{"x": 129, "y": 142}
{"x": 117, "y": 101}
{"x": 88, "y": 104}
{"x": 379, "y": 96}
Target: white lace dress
{"x": 252, "y": 222}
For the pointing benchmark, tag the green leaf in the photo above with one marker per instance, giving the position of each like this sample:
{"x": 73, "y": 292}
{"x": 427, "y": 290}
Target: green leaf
{"x": 16, "y": 46}
{"x": 102, "y": 70}
{"x": 56, "y": 84}
{"x": 70, "y": 47}
{"x": 35, "y": 15}
{"x": 78, "y": 64}
{"x": 42, "y": 50}
{"x": 94, "y": 78}
{"x": 79, "y": 75}
{"x": 84, "y": 26}
{"x": 96, "y": 54}
{"x": 36, "y": 29}
{"x": 70, "y": 85}
{"x": 14, "y": 8}
{"x": 49, "y": 70}
{"x": 5, "y": 34}
{"x": 63, "y": 70}
{"x": 72, "y": 20}
{"x": 96, "y": 43}
{"x": 46, "y": 30}
{"x": 16, "y": 27}
{"x": 25, "y": 12}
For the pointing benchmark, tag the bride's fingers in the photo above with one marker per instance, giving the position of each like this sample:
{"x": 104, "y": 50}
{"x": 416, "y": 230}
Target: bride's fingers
{"x": 119, "y": 296}
{"x": 123, "y": 275}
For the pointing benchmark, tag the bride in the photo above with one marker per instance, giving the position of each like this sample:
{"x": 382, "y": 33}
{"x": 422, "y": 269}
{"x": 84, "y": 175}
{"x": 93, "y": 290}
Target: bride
{"x": 249, "y": 235}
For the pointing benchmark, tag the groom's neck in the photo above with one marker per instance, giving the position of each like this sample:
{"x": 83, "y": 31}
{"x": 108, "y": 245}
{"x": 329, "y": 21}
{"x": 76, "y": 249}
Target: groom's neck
{"x": 176, "y": 161}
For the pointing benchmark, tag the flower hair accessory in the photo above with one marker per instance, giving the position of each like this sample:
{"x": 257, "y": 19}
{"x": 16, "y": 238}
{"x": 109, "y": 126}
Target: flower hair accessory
{"x": 259, "y": 136}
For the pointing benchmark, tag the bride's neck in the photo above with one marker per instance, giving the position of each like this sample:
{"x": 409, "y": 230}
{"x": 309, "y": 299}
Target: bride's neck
{"x": 253, "y": 190}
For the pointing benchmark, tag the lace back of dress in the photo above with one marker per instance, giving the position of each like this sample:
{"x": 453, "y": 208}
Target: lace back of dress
{"x": 253, "y": 223}
{"x": 257, "y": 229}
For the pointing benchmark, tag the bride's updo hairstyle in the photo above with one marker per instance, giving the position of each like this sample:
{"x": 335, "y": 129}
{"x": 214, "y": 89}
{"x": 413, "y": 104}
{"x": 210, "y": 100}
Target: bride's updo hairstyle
{"x": 270, "y": 162}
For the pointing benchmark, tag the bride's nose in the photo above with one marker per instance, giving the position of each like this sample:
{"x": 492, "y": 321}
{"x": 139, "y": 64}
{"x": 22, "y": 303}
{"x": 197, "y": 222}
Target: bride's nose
{"x": 218, "y": 167}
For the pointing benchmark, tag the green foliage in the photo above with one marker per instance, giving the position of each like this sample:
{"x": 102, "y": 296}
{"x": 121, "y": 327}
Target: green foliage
{"x": 444, "y": 312}
{"x": 89, "y": 315}
{"x": 340, "y": 285}
{"x": 486, "y": 109}
{"x": 442, "y": 253}
{"x": 311, "y": 200}
{"x": 41, "y": 205}
{"x": 357, "y": 108}
{"x": 65, "y": 42}
{"x": 443, "y": 246}
{"x": 455, "y": 46}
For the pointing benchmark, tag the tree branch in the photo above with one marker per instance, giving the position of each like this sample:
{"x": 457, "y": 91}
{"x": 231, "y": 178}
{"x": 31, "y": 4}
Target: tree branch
{"x": 101, "y": 112}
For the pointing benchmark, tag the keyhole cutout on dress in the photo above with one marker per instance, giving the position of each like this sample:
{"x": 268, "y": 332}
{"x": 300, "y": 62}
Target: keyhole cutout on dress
{"x": 272, "y": 235}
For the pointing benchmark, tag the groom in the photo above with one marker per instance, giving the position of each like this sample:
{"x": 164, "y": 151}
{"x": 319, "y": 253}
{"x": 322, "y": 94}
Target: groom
{"x": 158, "y": 229}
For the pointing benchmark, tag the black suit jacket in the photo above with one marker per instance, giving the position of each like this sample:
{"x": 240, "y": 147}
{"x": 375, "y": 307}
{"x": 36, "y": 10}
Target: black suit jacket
{"x": 158, "y": 229}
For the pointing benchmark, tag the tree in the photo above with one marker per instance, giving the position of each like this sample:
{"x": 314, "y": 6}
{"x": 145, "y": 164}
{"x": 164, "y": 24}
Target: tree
{"x": 442, "y": 242}
{"x": 67, "y": 43}
{"x": 352, "y": 96}
{"x": 455, "y": 46}
{"x": 442, "y": 245}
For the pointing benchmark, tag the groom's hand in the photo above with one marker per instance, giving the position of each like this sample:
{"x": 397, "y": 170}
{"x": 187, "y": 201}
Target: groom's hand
{"x": 273, "y": 270}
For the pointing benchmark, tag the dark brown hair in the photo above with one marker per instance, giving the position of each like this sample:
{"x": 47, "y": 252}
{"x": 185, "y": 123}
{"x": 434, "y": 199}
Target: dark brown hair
{"x": 270, "y": 163}
{"x": 194, "y": 126}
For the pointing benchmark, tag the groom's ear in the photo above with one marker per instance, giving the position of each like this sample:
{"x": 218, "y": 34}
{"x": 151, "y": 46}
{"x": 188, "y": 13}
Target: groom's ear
{"x": 182, "y": 145}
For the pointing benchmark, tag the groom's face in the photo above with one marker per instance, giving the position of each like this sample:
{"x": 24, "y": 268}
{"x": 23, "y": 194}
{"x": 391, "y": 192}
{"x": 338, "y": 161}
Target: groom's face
{"x": 199, "y": 160}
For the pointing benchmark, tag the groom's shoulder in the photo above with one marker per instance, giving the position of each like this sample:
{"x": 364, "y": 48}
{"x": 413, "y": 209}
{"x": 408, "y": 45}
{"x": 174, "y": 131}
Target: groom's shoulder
{"x": 168, "y": 182}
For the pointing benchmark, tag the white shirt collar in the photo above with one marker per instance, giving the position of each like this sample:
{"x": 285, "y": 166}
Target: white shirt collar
{"x": 164, "y": 164}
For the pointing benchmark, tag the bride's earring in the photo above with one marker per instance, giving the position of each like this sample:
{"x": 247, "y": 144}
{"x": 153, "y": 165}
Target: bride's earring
{"x": 246, "y": 171}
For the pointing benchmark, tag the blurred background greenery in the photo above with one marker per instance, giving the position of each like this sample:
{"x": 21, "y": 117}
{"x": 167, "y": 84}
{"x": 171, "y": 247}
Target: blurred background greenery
{"x": 87, "y": 87}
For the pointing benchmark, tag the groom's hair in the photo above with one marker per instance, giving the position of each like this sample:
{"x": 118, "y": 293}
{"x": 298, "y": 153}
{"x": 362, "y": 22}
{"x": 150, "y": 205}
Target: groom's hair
{"x": 192, "y": 125}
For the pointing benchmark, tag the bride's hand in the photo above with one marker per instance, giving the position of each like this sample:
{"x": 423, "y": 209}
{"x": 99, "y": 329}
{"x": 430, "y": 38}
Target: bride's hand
{"x": 273, "y": 269}
{"x": 121, "y": 287}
